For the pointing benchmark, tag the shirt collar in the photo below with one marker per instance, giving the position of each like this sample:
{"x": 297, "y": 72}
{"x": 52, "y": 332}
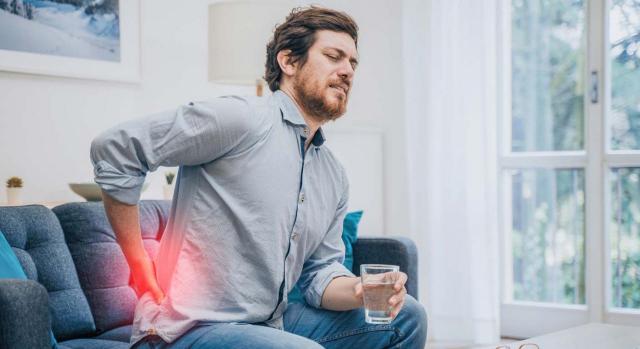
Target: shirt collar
{"x": 318, "y": 138}
{"x": 290, "y": 113}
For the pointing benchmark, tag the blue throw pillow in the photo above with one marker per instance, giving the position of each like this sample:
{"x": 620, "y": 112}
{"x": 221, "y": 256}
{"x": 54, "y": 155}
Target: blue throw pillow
{"x": 349, "y": 237}
{"x": 10, "y": 268}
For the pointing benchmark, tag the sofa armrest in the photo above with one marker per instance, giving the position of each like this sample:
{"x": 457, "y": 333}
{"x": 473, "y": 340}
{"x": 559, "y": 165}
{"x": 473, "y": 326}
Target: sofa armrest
{"x": 399, "y": 251}
{"x": 24, "y": 314}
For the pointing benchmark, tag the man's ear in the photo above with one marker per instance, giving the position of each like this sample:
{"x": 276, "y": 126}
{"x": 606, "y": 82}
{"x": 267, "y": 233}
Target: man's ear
{"x": 284, "y": 61}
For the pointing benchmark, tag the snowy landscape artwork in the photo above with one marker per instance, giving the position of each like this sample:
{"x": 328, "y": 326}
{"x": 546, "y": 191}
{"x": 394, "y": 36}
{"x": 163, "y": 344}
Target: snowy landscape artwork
{"x": 83, "y": 39}
{"x": 86, "y": 29}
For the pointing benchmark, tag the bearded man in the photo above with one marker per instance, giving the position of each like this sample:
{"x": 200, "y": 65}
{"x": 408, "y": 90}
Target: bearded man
{"x": 258, "y": 208}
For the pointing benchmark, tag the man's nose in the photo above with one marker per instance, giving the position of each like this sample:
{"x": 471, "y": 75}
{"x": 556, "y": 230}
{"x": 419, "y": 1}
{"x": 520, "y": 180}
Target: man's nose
{"x": 346, "y": 71}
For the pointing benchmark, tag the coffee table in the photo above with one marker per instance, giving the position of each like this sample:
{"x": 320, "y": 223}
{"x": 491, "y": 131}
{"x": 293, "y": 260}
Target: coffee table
{"x": 590, "y": 336}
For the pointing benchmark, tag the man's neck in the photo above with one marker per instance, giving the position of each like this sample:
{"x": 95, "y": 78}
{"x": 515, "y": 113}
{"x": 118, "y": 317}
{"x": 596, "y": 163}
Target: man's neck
{"x": 312, "y": 122}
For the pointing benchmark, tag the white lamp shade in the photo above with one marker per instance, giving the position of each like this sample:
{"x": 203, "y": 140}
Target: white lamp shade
{"x": 238, "y": 35}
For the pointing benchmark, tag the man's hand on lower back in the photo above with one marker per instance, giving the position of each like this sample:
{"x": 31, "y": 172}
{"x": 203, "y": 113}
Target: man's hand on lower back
{"x": 125, "y": 222}
{"x": 144, "y": 279}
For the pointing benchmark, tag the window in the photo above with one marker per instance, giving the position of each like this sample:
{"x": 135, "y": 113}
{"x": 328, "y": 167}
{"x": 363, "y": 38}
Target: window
{"x": 624, "y": 143}
{"x": 569, "y": 164}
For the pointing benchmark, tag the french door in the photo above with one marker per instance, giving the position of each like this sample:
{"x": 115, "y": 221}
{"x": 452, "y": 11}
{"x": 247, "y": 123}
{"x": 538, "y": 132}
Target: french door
{"x": 569, "y": 164}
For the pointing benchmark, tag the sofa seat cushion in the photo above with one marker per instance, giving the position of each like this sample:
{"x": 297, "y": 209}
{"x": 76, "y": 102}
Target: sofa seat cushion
{"x": 102, "y": 268}
{"x": 92, "y": 343}
{"x": 120, "y": 334}
{"x": 10, "y": 268}
{"x": 37, "y": 240}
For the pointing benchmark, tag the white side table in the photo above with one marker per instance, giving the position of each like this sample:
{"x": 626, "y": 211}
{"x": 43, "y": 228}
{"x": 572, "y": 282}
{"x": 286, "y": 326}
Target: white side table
{"x": 590, "y": 336}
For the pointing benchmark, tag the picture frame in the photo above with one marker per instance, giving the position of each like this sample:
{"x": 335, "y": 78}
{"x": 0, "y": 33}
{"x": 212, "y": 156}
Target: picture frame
{"x": 126, "y": 69}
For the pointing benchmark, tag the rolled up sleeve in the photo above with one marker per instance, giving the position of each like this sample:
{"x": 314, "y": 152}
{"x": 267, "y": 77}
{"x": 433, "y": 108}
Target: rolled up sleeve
{"x": 193, "y": 134}
{"x": 325, "y": 264}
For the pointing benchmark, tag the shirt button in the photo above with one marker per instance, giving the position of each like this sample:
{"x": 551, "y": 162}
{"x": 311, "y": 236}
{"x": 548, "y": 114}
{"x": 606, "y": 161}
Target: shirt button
{"x": 152, "y": 331}
{"x": 294, "y": 236}
{"x": 301, "y": 197}
{"x": 306, "y": 131}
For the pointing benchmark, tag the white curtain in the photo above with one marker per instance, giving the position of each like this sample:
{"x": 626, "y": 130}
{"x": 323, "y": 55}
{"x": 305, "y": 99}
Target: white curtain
{"x": 450, "y": 83}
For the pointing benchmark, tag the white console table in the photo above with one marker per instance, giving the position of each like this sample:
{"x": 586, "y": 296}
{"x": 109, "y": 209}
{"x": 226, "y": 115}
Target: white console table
{"x": 590, "y": 336}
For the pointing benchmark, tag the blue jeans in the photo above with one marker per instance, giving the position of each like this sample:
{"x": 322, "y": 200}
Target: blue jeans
{"x": 308, "y": 327}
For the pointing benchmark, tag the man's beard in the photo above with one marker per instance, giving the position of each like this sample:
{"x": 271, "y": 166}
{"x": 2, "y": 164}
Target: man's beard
{"x": 314, "y": 102}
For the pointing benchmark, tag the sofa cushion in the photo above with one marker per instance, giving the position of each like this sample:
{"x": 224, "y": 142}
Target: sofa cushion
{"x": 102, "y": 268}
{"x": 92, "y": 343}
{"x": 121, "y": 334}
{"x": 38, "y": 242}
{"x": 10, "y": 268}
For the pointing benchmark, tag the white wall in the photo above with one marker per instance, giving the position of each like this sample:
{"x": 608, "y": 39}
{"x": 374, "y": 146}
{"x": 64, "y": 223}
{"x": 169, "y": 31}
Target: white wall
{"x": 377, "y": 100}
{"x": 47, "y": 123}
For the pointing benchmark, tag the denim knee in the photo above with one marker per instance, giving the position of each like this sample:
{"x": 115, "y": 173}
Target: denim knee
{"x": 412, "y": 321}
{"x": 289, "y": 344}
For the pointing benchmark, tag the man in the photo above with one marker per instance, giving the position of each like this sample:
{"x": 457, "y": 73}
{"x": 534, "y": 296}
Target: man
{"x": 258, "y": 207}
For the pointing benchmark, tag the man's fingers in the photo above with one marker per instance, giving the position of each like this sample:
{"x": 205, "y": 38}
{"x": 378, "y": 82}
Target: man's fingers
{"x": 396, "y": 309}
{"x": 397, "y": 301}
{"x": 398, "y": 297}
{"x": 158, "y": 295}
{"x": 402, "y": 279}
{"x": 159, "y": 298}
{"x": 155, "y": 289}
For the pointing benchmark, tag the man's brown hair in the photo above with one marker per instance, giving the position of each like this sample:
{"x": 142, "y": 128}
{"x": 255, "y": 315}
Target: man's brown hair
{"x": 297, "y": 34}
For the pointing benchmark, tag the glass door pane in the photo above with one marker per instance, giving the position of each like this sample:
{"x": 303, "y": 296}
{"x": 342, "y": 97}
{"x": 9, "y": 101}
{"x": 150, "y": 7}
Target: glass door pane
{"x": 624, "y": 53}
{"x": 625, "y": 237}
{"x": 547, "y": 84}
{"x": 548, "y": 235}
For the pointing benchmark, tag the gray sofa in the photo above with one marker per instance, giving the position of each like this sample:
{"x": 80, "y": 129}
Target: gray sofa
{"x": 78, "y": 280}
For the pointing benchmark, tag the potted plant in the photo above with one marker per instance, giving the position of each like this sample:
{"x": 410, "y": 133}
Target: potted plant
{"x": 169, "y": 176}
{"x": 14, "y": 187}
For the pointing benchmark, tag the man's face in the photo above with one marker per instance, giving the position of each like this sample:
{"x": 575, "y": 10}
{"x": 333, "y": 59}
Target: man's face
{"x": 323, "y": 83}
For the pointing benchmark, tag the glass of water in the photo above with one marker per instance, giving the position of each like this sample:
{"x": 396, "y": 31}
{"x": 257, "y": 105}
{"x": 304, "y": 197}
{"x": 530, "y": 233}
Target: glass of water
{"x": 377, "y": 286}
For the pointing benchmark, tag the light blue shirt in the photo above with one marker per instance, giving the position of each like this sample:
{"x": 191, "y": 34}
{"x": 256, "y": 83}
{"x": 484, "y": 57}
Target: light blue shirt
{"x": 252, "y": 214}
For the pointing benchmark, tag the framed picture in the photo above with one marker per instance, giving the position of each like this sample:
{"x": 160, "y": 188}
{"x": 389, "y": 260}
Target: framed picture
{"x": 72, "y": 38}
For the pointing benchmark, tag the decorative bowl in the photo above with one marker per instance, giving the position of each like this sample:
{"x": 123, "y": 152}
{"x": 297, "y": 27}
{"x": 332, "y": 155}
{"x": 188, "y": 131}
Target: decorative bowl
{"x": 91, "y": 191}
